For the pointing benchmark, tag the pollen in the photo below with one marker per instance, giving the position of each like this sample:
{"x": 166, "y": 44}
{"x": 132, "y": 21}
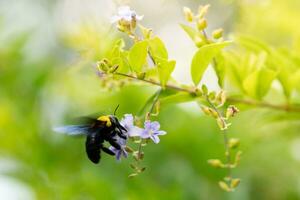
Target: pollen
{"x": 105, "y": 119}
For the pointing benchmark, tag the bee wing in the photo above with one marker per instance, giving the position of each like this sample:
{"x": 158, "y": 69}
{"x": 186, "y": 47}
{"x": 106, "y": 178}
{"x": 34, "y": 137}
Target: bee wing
{"x": 73, "y": 130}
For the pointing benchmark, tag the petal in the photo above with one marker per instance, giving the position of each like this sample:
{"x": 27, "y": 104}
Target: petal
{"x": 155, "y": 139}
{"x": 118, "y": 155}
{"x": 114, "y": 19}
{"x": 127, "y": 121}
{"x": 125, "y": 154}
{"x": 155, "y": 126}
{"x": 160, "y": 133}
{"x": 145, "y": 134}
{"x": 135, "y": 131}
{"x": 147, "y": 125}
{"x": 123, "y": 10}
{"x": 139, "y": 17}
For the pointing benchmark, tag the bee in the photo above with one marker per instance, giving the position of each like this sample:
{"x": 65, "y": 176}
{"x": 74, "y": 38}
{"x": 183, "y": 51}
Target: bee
{"x": 97, "y": 131}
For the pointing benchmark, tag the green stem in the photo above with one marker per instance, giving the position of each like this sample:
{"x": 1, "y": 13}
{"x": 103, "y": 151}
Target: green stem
{"x": 287, "y": 108}
{"x": 225, "y": 137}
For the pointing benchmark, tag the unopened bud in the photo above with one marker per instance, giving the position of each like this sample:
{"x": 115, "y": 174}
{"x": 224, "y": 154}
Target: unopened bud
{"x": 222, "y": 124}
{"x": 199, "y": 42}
{"x": 203, "y": 10}
{"x": 141, "y": 75}
{"x": 201, "y": 24}
{"x": 204, "y": 89}
{"x": 146, "y": 32}
{"x": 231, "y": 111}
{"x": 234, "y": 143}
{"x": 215, "y": 163}
{"x": 224, "y": 186}
{"x": 221, "y": 97}
{"x": 235, "y": 182}
{"x": 212, "y": 95}
{"x": 132, "y": 175}
{"x": 218, "y": 33}
{"x": 113, "y": 68}
{"x": 205, "y": 110}
{"x": 189, "y": 16}
{"x": 103, "y": 65}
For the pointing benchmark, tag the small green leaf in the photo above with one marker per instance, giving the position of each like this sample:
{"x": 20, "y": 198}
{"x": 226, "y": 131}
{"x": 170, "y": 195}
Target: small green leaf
{"x": 180, "y": 97}
{"x": 137, "y": 55}
{"x": 157, "y": 48}
{"x": 203, "y": 57}
{"x": 192, "y": 32}
{"x": 258, "y": 83}
{"x": 165, "y": 68}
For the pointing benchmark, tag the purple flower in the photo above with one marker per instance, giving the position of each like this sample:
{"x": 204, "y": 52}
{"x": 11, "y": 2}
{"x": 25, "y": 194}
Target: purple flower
{"x": 124, "y": 13}
{"x": 120, "y": 152}
{"x": 152, "y": 131}
{"x": 128, "y": 123}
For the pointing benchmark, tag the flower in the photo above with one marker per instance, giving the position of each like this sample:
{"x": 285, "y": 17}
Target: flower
{"x": 128, "y": 123}
{"x": 122, "y": 151}
{"x": 152, "y": 131}
{"x": 124, "y": 13}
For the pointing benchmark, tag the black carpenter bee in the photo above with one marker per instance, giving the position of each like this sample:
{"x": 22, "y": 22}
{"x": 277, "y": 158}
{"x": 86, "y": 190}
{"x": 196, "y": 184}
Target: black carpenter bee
{"x": 97, "y": 130}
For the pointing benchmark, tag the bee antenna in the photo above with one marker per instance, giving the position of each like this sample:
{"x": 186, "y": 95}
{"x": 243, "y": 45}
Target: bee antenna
{"x": 116, "y": 109}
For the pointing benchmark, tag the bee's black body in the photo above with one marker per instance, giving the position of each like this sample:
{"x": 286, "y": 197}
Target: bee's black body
{"x": 104, "y": 128}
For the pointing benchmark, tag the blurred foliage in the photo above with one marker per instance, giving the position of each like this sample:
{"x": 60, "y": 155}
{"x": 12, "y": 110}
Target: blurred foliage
{"x": 37, "y": 94}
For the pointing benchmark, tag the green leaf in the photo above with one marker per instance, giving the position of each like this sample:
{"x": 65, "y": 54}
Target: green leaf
{"x": 137, "y": 55}
{"x": 220, "y": 68}
{"x": 165, "y": 68}
{"x": 258, "y": 83}
{"x": 192, "y": 32}
{"x": 179, "y": 97}
{"x": 203, "y": 57}
{"x": 158, "y": 49}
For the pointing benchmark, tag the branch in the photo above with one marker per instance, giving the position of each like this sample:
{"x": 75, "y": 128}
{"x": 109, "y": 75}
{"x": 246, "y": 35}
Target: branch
{"x": 193, "y": 91}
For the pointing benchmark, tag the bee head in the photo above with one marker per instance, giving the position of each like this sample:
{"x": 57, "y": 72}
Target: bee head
{"x": 114, "y": 120}
{"x": 106, "y": 120}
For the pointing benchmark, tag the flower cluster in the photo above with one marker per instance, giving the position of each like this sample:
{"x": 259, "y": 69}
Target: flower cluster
{"x": 151, "y": 131}
{"x": 126, "y": 19}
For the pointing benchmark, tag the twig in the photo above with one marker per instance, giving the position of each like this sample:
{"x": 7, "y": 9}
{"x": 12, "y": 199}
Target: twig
{"x": 287, "y": 108}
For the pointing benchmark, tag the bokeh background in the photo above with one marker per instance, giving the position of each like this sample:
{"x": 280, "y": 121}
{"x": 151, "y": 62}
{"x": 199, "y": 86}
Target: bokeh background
{"x": 48, "y": 51}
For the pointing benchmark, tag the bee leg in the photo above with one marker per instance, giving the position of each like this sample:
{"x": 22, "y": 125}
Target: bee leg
{"x": 108, "y": 151}
{"x": 114, "y": 143}
{"x": 122, "y": 128}
{"x": 121, "y": 135}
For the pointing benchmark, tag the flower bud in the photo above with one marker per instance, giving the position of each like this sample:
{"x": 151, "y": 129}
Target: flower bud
{"x": 141, "y": 75}
{"x": 235, "y": 182}
{"x": 233, "y": 143}
{"x": 212, "y": 95}
{"x": 237, "y": 158}
{"x": 129, "y": 149}
{"x": 218, "y": 33}
{"x": 199, "y": 42}
{"x": 215, "y": 163}
{"x": 204, "y": 89}
{"x": 203, "y": 10}
{"x": 189, "y": 16}
{"x": 222, "y": 124}
{"x": 201, "y": 24}
{"x": 113, "y": 68}
{"x": 103, "y": 65}
{"x": 231, "y": 111}
{"x": 221, "y": 97}
{"x": 146, "y": 32}
{"x": 205, "y": 110}
{"x": 224, "y": 186}
{"x": 132, "y": 175}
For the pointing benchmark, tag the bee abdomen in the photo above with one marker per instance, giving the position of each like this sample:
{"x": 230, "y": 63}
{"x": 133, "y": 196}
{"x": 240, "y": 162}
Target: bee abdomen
{"x": 93, "y": 147}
